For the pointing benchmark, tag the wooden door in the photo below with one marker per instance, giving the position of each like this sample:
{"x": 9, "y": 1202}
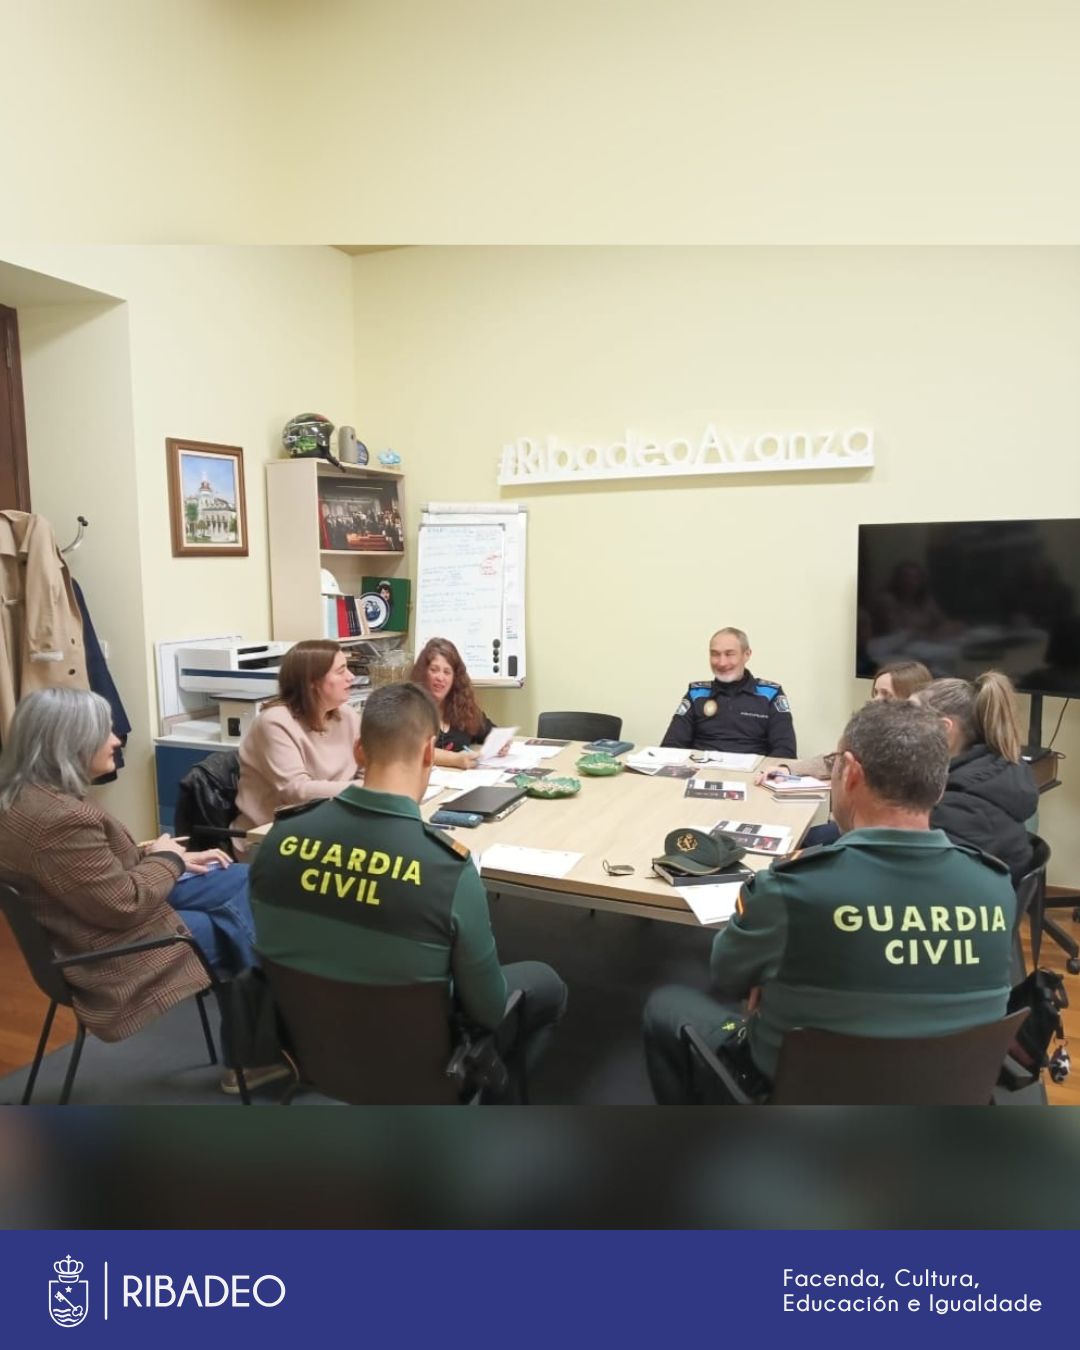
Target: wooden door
{"x": 14, "y": 473}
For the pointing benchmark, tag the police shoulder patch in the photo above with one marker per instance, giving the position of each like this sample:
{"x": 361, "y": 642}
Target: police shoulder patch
{"x": 287, "y": 812}
{"x": 448, "y": 841}
{"x": 781, "y": 704}
{"x": 698, "y": 689}
{"x": 767, "y": 688}
{"x": 683, "y": 708}
{"x": 800, "y": 856}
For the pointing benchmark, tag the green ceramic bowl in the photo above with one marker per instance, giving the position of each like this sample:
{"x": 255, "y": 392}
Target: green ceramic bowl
{"x": 550, "y": 786}
{"x": 599, "y": 766}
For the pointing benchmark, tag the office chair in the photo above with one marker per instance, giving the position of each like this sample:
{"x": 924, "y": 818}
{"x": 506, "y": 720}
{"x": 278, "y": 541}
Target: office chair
{"x": 48, "y": 974}
{"x": 828, "y": 1068}
{"x": 579, "y": 726}
{"x": 374, "y": 1045}
{"x": 206, "y": 802}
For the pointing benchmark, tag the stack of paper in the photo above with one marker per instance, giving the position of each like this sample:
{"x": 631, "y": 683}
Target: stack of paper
{"x": 659, "y": 761}
{"x": 794, "y": 787}
{"x": 726, "y": 759}
{"x": 532, "y": 862}
{"x": 713, "y": 904}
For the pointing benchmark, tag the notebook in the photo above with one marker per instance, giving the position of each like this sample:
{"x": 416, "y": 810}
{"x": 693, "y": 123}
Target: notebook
{"x": 488, "y": 801}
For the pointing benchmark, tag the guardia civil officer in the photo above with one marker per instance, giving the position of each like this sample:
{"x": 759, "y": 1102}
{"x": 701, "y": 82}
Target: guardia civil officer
{"x": 891, "y": 931}
{"x": 734, "y": 711}
{"x": 362, "y": 888}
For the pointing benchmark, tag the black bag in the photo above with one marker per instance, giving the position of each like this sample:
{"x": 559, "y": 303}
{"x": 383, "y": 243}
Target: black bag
{"x": 250, "y": 1034}
{"x": 1043, "y": 994}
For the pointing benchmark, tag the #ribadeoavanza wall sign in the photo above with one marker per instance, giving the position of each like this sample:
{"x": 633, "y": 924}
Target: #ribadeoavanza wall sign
{"x": 526, "y": 461}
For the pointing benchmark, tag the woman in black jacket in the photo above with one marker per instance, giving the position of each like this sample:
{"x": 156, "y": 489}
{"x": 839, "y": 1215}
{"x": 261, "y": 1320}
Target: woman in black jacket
{"x": 990, "y": 793}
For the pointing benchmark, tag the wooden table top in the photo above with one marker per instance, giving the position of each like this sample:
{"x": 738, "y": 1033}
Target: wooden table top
{"x": 623, "y": 819}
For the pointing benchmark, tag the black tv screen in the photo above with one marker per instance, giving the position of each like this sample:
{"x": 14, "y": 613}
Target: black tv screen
{"x": 973, "y": 595}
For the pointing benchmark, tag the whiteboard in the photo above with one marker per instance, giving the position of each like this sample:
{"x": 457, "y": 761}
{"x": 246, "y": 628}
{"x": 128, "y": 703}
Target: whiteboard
{"x": 470, "y": 587}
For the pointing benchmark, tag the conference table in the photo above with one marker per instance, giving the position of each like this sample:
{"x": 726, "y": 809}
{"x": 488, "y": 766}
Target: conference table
{"x": 623, "y": 819}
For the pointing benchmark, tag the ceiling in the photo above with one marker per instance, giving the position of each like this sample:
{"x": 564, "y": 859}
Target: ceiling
{"x": 367, "y": 248}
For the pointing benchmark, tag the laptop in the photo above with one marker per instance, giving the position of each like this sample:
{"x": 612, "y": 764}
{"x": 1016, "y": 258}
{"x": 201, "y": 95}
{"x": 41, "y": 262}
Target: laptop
{"x": 488, "y": 801}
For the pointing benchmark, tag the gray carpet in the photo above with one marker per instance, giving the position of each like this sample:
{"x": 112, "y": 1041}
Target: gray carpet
{"x": 610, "y": 963}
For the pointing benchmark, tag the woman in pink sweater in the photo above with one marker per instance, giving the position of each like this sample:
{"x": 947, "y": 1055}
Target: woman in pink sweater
{"x": 300, "y": 747}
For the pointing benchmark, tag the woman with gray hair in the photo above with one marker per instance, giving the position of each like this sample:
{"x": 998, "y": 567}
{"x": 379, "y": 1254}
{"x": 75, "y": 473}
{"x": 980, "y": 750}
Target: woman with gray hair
{"x": 93, "y": 886}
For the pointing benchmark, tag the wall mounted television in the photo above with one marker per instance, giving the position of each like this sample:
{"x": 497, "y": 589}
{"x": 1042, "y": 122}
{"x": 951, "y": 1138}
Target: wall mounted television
{"x": 973, "y": 595}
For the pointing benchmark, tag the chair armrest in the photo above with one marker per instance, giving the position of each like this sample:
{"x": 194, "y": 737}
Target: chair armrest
{"x": 133, "y": 948}
{"x": 714, "y": 1064}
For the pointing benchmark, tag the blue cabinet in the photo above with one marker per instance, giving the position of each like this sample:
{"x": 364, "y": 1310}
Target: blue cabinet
{"x": 171, "y": 762}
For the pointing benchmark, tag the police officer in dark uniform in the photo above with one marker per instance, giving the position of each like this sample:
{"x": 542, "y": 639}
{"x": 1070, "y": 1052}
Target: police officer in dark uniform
{"x": 891, "y": 931}
{"x": 734, "y": 711}
{"x": 362, "y": 888}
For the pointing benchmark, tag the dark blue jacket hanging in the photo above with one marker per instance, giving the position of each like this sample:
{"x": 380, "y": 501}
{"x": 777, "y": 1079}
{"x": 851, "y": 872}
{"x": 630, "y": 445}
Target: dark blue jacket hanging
{"x": 101, "y": 681}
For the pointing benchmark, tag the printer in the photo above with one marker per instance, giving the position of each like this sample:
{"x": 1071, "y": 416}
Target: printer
{"x": 231, "y": 668}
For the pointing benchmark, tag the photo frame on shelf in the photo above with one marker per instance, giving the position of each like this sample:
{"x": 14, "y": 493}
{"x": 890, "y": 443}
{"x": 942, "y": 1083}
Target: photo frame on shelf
{"x": 360, "y": 516}
{"x": 207, "y": 505}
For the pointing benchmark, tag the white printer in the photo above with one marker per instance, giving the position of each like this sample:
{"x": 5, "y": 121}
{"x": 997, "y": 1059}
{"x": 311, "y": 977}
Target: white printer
{"x": 231, "y": 668}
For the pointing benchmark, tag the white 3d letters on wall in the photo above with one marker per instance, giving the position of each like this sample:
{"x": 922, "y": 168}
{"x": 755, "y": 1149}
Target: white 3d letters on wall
{"x": 525, "y": 461}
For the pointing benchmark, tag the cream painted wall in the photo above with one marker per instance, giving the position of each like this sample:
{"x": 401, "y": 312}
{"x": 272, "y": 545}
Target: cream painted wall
{"x": 963, "y": 360}
{"x": 76, "y": 365}
{"x": 225, "y": 345}
{"x": 419, "y": 121}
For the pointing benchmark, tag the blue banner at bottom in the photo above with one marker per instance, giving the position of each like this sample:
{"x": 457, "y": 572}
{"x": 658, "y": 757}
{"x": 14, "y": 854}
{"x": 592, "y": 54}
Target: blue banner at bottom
{"x": 528, "y": 1289}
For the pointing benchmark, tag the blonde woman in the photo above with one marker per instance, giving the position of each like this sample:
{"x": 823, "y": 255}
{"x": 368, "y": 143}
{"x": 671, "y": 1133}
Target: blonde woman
{"x": 990, "y": 793}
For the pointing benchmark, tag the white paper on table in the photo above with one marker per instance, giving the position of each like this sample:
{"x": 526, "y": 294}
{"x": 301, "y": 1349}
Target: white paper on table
{"x": 726, "y": 759}
{"x": 515, "y": 759}
{"x": 532, "y": 862}
{"x": 712, "y": 903}
{"x": 663, "y": 754}
{"x": 537, "y": 751}
{"x": 432, "y": 790}
{"x": 497, "y": 737}
{"x": 460, "y": 779}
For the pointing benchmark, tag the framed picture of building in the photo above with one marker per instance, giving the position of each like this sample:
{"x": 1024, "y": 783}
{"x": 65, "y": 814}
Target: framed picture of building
{"x": 207, "y": 507}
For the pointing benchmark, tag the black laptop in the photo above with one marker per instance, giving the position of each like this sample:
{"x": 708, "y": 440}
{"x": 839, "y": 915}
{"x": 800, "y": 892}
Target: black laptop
{"x": 488, "y": 801}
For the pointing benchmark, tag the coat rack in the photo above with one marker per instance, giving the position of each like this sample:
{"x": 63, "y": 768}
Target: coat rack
{"x": 83, "y": 523}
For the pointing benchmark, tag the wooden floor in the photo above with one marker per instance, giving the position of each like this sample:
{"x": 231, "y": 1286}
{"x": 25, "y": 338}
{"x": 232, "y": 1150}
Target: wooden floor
{"x": 22, "y": 1008}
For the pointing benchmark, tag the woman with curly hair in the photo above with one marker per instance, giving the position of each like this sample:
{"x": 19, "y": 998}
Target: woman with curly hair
{"x": 440, "y": 670}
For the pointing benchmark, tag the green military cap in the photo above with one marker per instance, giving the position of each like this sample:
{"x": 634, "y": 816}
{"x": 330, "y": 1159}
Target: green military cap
{"x": 698, "y": 852}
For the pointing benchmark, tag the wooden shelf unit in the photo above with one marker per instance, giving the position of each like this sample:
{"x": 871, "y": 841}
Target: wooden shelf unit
{"x": 296, "y": 552}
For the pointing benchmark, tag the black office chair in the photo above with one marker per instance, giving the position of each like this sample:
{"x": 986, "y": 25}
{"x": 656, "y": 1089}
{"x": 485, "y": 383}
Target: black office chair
{"x": 1031, "y": 894}
{"x": 206, "y": 802}
{"x": 375, "y": 1045}
{"x": 579, "y": 726}
{"x": 48, "y": 974}
{"x": 827, "y": 1068}
{"x": 1030, "y": 902}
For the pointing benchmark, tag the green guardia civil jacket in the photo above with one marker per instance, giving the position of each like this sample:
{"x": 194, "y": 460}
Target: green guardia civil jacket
{"x": 361, "y": 888}
{"x": 884, "y": 933}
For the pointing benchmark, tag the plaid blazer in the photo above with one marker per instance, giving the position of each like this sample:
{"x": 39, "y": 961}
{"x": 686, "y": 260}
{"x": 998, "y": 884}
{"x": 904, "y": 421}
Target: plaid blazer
{"x": 98, "y": 890}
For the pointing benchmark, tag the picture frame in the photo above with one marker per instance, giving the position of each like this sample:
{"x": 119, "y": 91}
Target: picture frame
{"x": 360, "y": 515}
{"x": 207, "y": 505}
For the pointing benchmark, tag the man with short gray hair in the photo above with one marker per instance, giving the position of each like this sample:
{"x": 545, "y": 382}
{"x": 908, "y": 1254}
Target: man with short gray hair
{"x": 892, "y": 930}
{"x": 734, "y": 711}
